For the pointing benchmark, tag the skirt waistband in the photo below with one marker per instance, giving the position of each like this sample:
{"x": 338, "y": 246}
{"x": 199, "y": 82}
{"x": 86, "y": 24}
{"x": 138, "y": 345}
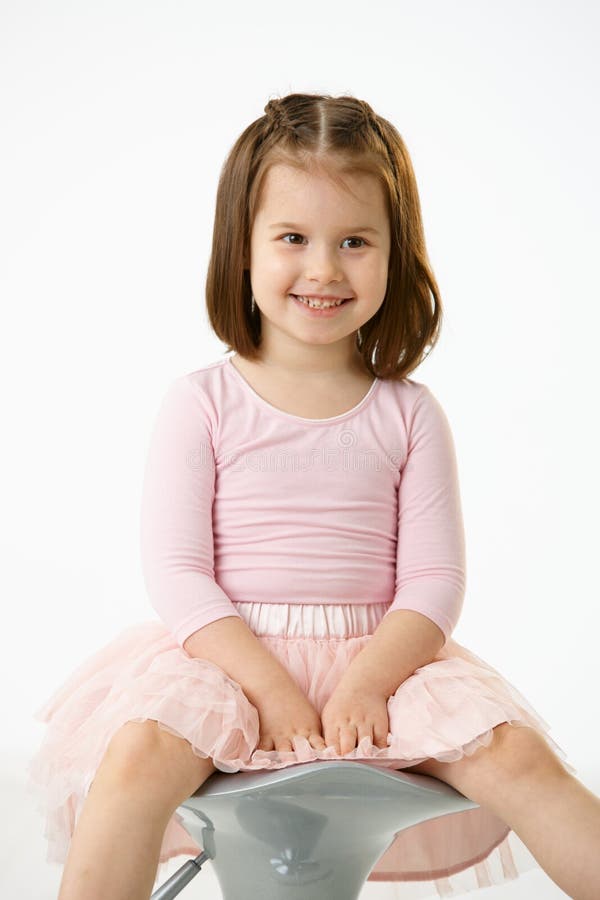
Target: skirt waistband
{"x": 324, "y": 621}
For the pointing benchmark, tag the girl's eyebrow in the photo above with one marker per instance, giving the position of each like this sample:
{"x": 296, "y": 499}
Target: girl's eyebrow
{"x": 301, "y": 227}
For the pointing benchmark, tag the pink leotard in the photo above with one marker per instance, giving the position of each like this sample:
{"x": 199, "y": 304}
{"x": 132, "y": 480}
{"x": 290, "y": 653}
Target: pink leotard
{"x": 245, "y": 502}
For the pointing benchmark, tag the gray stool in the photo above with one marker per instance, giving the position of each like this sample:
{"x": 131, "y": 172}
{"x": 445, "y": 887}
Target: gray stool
{"x": 306, "y": 831}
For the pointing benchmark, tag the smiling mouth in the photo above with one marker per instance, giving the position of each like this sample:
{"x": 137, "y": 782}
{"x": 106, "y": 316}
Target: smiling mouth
{"x": 320, "y": 304}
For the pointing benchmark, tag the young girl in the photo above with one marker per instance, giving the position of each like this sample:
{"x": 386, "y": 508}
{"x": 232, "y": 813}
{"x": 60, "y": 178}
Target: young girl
{"x": 302, "y": 543}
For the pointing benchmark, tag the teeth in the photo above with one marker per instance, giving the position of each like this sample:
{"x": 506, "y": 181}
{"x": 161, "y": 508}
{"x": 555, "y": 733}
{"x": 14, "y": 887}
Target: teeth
{"x": 319, "y": 304}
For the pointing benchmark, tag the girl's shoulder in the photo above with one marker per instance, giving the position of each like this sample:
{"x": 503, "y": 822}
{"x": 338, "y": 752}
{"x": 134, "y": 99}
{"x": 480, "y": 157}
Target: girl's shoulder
{"x": 419, "y": 406}
{"x": 406, "y": 385}
{"x": 196, "y": 389}
{"x": 204, "y": 372}
{"x": 203, "y": 378}
{"x": 406, "y": 391}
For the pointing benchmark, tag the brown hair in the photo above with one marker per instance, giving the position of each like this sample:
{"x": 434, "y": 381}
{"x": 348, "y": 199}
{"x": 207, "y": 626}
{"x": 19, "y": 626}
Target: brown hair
{"x": 334, "y": 136}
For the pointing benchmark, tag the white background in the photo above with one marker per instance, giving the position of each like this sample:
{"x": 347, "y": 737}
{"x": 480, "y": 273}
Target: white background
{"x": 116, "y": 118}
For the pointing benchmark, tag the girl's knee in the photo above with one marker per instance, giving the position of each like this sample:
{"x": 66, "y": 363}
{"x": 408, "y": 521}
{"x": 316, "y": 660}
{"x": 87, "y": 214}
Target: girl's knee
{"x": 521, "y": 751}
{"x": 132, "y": 745}
{"x": 145, "y": 752}
{"x": 514, "y": 752}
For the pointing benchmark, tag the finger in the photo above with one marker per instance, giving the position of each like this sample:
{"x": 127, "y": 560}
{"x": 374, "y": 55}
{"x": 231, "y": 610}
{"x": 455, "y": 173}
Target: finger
{"x": 380, "y": 738}
{"x": 364, "y": 730}
{"x": 380, "y": 733}
{"x": 330, "y": 737}
{"x": 283, "y": 745}
{"x": 347, "y": 739}
{"x": 333, "y": 740}
{"x": 317, "y": 742}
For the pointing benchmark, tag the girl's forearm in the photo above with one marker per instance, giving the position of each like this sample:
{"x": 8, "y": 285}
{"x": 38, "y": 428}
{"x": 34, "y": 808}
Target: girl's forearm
{"x": 232, "y": 646}
{"x": 403, "y": 641}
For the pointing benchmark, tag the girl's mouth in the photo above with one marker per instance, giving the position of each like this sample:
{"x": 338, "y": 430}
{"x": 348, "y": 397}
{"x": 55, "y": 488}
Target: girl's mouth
{"x": 303, "y": 304}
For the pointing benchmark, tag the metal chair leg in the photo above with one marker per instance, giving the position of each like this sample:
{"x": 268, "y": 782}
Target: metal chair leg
{"x": 180, "y": 878}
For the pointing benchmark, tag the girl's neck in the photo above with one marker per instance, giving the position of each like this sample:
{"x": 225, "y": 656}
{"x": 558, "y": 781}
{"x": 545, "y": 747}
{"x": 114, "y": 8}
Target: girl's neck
{"x": 320, "y": 396}
{"x": 314, "y": 365}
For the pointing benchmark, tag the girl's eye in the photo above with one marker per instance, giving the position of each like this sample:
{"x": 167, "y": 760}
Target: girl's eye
{"x": 292, "y": 234}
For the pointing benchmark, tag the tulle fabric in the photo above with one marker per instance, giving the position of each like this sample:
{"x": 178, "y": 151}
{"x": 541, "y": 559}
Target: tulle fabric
{"x": 446, "y": 709}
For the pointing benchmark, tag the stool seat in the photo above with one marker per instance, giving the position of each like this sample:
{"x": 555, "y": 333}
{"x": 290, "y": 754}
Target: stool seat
{"x": 306, "y": 831}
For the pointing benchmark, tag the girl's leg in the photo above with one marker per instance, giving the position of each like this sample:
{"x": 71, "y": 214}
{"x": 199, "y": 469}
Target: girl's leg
{"x": 519, "y": 778}
{"x": 144, "y": 776}
{"x": 558, "y": 820}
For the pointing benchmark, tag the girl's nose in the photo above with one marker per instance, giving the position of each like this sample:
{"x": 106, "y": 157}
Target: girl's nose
{"x": 322, "y": 265}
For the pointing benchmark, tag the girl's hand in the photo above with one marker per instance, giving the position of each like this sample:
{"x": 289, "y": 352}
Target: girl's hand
{"x": 286, "y": 713}
{"x": 350, "y": 714}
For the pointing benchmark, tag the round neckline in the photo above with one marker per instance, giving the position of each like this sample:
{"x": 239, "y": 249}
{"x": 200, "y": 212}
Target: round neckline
{"x": 281, "y": 412}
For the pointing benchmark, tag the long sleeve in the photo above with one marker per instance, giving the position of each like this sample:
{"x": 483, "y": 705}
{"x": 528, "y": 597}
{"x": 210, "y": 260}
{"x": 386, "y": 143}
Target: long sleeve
{"x": 430, "y": 555}
{"x": 176, "y": 535}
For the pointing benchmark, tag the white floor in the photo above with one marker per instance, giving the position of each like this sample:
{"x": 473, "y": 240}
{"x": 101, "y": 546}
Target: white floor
{"x": 25, "y": 874}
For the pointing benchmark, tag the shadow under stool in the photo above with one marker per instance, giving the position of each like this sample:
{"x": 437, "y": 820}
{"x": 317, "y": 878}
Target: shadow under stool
{"x": 307, "y": 831}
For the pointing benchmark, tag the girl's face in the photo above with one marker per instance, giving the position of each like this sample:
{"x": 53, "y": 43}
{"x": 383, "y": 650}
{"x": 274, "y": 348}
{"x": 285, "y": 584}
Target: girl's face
{"x": 330, "y": 243}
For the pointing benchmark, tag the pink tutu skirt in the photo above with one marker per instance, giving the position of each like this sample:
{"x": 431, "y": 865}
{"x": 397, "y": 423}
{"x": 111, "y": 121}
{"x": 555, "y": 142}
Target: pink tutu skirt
{"x": 446, "y": 709}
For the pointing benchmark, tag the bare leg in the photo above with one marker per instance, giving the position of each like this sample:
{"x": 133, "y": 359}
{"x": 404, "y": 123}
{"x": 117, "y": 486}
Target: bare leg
{"x": 553, "y": 813}
{"x": 520, "y": 780}
{"x": 558, "y": 820}
{"x": 114, "y": 851}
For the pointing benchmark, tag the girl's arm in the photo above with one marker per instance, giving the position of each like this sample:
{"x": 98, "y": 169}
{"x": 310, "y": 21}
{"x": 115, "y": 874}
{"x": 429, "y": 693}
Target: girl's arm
{"x": 232, "y": 646}
{"x": 430, "y": 556}
{"x": 177, "y": 548}
{"x": 176, "y": 534}
{"x": 402, "y": 643}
